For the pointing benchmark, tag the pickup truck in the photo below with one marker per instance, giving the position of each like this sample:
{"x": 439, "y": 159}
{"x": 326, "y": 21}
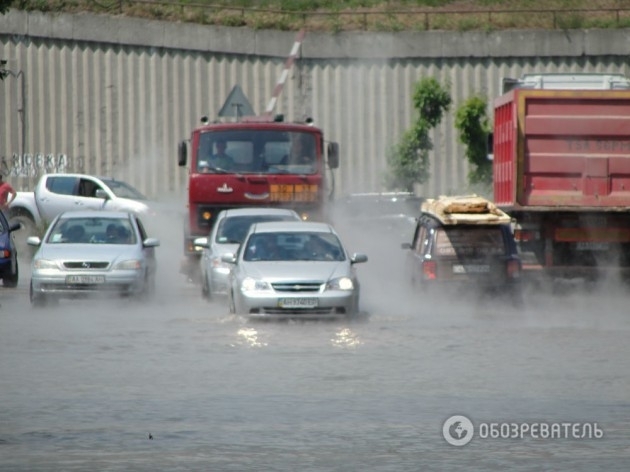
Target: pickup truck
{"x": 56, "y": 193}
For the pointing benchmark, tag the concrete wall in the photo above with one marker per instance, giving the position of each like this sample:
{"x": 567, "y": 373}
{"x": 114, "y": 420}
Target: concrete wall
{"x": 109, "y": 95}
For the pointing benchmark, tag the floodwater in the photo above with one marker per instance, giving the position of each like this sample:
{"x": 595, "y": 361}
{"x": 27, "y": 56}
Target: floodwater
{"x": 177, "y": 384}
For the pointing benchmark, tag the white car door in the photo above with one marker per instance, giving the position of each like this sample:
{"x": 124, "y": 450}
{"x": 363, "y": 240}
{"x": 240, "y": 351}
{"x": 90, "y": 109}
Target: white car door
{"x": 86, "y": 198}
{"x": 55, "y": 194}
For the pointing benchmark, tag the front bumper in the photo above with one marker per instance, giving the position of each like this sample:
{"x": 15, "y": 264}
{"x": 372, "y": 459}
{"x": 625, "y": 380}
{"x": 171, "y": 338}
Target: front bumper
{"x": 55, "y": 283}
{"x": 219, "y": 280}
{"x": 268, "y": 304}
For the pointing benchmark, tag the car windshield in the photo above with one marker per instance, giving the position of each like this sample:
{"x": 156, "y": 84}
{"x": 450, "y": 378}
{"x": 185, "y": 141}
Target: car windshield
{"x": 470, "y": 241}
{"x": 123, "y": 190}
{"x": 293, "y": 246}
{"x": 92, "y": 231}
{"x": 233, "y": 229}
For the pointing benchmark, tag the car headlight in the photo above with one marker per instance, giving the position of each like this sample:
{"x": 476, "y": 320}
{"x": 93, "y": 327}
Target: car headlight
{"x": 44, "y": 264}
{"x": 131, "y": 264}
{"x": 341, "y": 283}
{"x": 249, "y": 284}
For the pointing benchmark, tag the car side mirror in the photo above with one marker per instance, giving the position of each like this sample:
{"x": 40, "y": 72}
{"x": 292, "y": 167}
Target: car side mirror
{"x": 228, "y": 258}
{"x": 490, "y": 146}
{"x": 333, "y": 155}
{"x": 151, "y": 242}
{"x": 202, "y": 242}
{"x": 33, "y": 241}
{"x": 358, "y": 258}
{"x": 182, "y": 153}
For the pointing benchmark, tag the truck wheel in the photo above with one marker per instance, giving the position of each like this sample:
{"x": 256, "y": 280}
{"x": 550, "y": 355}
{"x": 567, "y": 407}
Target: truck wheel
{"x": 11, "y": 281}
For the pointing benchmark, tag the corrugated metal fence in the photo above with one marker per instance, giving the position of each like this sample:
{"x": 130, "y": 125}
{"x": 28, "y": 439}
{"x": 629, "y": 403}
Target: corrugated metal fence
{"x": 118, "y": 109}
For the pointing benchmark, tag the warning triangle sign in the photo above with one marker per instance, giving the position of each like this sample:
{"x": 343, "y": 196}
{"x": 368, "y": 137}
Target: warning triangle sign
{"x": 236, "y": 105}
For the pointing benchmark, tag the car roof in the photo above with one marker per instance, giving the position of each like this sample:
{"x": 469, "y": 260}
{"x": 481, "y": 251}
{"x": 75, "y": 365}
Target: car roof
{"x": 94, "y": 214}
{"x": 464, "y": 210}
{"x": 74, "y": 174}
{"x": 256, "y": 211}
{"x": 291, "y": 226}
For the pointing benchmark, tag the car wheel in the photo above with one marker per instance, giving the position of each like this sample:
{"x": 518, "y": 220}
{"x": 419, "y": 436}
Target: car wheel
{"x": 148, "y": 290}
{"x": 232, "y": 304}
{"x": 205, "y": 289}
{"x": 38, "y": 300}
{"x": 11, "y": 281}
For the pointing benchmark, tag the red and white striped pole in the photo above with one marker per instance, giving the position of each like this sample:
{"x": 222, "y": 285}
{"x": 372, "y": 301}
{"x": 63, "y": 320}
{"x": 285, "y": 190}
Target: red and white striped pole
{"x": 285, "y": 73}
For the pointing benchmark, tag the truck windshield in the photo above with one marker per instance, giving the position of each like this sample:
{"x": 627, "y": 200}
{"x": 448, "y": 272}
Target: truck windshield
{"x": 258, "y": 151}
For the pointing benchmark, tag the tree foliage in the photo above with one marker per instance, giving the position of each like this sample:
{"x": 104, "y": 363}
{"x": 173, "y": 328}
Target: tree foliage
{"x": 471, "y": 121}
{"x": 5, "y": 5}
{"x": 408, "y": 160}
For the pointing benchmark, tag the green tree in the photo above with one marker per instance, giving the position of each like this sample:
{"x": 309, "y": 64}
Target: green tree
{"x": 471, "y": 121}
{"x": 5, "y": 5}
{"x": 408, "y": 160}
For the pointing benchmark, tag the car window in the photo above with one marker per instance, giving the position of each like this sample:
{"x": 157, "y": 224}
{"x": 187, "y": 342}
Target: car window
{"x": 92, "y": 231}
{"x": 293, "y": 246}
{"x": 470, "y": 241}
{"x": 421, "y": 240}
{"x": 232, "y": 230}
{"x": 88, "y": 188}
{"x": 62, "y": 185}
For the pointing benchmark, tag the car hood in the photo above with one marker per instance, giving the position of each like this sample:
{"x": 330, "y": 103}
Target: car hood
{"x": 83, "y": 252}
{"x": 126, "y": 204}
{"x": 297, "y": 270}
{"x": 218, "y": 249}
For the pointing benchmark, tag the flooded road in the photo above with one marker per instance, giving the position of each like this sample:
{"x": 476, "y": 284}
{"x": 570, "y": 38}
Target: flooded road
{"x": 86, "y": 385}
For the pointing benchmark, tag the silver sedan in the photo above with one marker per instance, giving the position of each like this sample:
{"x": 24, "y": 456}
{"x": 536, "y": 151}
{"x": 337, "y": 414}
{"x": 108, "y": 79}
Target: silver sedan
{"x": 92, "y": 252}
{"x": 293, "y": 270}
{"x": 227, "y": 233}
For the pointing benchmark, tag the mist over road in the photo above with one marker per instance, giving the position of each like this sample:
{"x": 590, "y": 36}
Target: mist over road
{"x": 84, "y": 383}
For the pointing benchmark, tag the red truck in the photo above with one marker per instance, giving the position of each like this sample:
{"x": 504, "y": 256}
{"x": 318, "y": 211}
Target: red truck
{"x": 264, "y": 169}
{"x": 561, "y": 166}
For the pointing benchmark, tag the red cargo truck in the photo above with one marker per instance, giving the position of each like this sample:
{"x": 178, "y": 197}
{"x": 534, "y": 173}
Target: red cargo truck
{"x": 561, "y": 163}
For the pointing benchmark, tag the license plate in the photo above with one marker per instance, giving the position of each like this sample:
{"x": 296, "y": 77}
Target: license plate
{"x": 471, "y": 269}
{"x": 85, "y": 279}
{"x": 298, "y": 302}
{"x": 591, "y": 246}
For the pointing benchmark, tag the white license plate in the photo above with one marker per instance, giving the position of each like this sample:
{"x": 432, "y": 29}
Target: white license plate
{"x": 85, "y": 279}
{"x": 298, "y": 302}
{"x": 471, "y": 269}
{"x": 591, "y": 246}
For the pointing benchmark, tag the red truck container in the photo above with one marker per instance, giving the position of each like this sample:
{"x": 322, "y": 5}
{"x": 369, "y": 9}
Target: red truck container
{"x": 561, "y": 163}
{"x": 263, "y": 173}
